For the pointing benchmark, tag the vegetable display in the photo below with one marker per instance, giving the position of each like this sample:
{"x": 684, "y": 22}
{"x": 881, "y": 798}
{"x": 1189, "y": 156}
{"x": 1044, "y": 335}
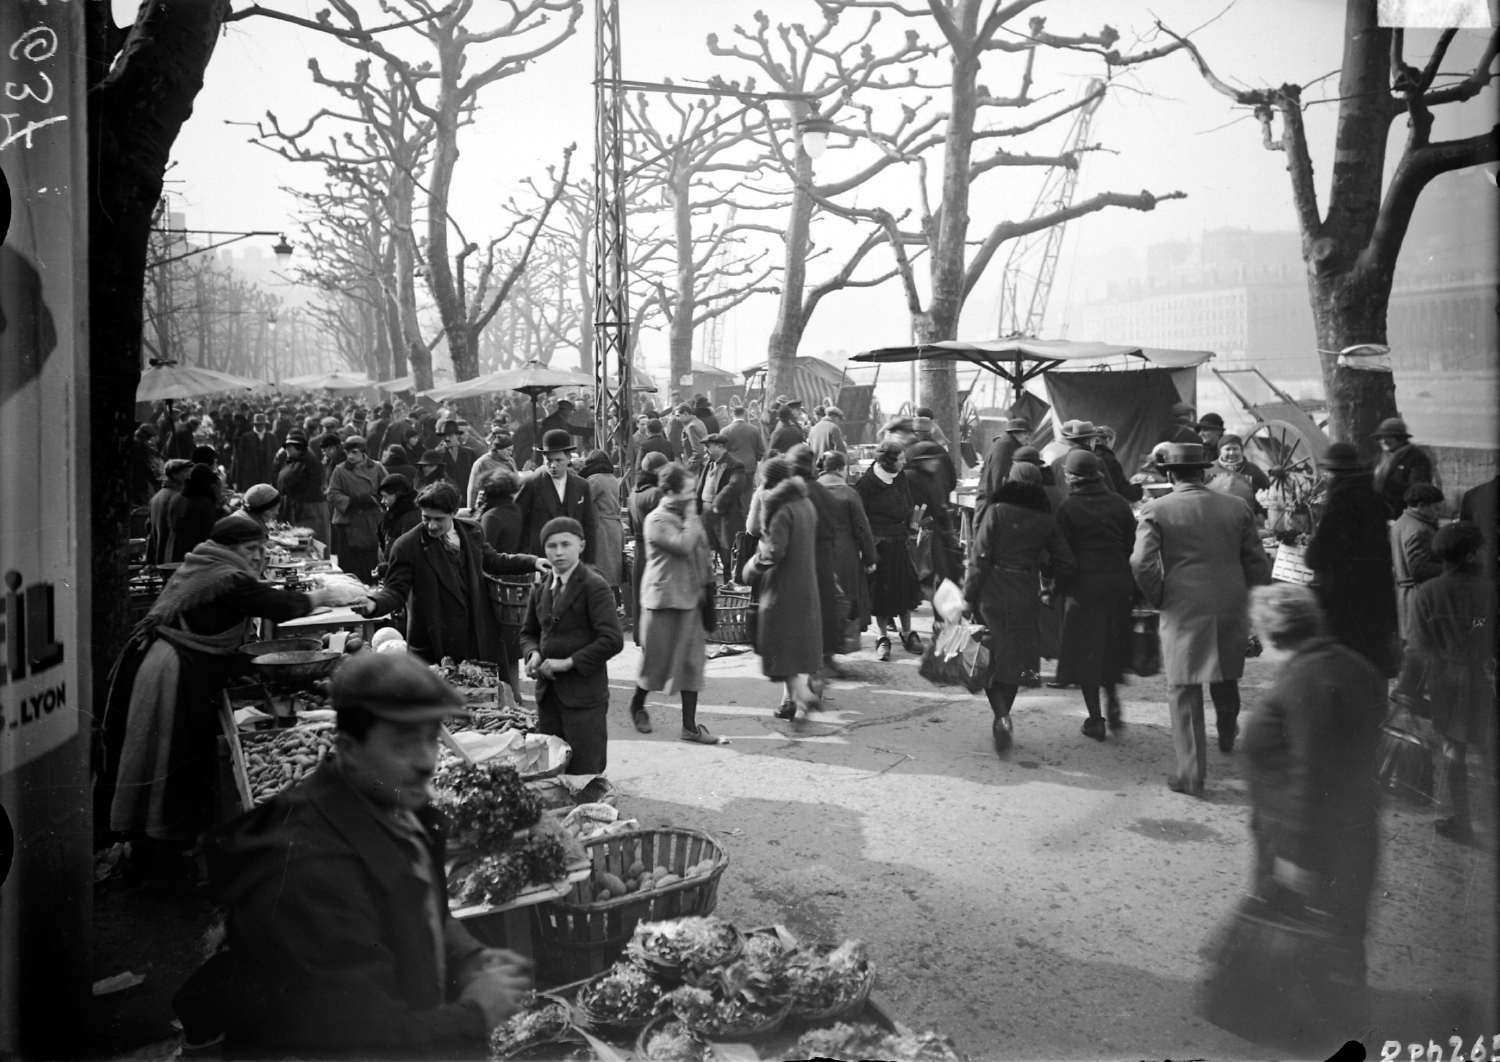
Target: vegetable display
{"x": 683, "y": 943}
{"x": 820, "y": 979}
{"x": 640, "y": 878}
{"x": 486, "y": 803}
{"x": 854, "y": 1042}
{"x": 672, "y": 1041}
{"x": 501, "y": 876}
{"x": 545, "y": 1020}
{"x": 275, "y": 759}
{"x": 625, "y": 995}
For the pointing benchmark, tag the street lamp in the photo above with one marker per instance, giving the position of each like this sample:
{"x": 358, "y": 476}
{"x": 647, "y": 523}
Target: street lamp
{"x": 281, "y": 249}
{"x": 813, "y": 132}
{"x": 283, "y": 252}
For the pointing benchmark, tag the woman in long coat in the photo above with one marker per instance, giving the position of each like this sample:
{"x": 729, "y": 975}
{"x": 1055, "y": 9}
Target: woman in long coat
{"x": 1100, "y": 530}
{"x": 354, "y": 499}
{"x": 1350, "y": 556}
{"x": 853, "y": 544}
{"x": 199, "y": 512}
{"x": 646, "y": 496}
{"x": 1311, "y": 751}
{"x": 1005, "y": 566}
{"x": 1452, "y": 635}
{"x": 894, "y": 590}
{"x": 802, "y": 459}
{"x": 677, "y": 568}
{"x": 789, "y": 634}
{"x": 604, "y": 492}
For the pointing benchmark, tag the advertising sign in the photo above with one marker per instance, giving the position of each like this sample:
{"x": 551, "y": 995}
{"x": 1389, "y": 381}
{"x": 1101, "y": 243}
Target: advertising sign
{"x": 44, "y": 531}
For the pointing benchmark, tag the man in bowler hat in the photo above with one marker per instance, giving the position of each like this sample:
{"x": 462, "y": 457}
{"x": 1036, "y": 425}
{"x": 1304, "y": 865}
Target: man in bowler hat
{"x": 555, "y": 490}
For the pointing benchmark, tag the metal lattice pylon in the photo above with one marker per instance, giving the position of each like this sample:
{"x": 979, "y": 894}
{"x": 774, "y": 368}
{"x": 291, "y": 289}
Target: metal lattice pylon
{"x": 611, "y": 281}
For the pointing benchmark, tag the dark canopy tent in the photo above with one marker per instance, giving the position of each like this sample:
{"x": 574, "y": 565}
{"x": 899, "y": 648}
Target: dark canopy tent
{"x": 1137, "y": 404}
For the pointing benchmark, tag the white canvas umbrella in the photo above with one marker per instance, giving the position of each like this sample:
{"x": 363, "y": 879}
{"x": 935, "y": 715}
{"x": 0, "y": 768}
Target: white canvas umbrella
{"x": 171, "y": 381}
{"x": 329, "y": 381}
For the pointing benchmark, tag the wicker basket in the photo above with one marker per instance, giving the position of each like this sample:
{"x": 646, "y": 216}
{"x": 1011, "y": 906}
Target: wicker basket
{"x": 843, "y": 1011}
{"x": 509, "y": 594}
{"x": 672, "y": 973}
{"x": 746, "y": 1032}
{"x": 733, "y": 628}
{"x": 576, "y": 938}
{"x": 656, "y": 1023}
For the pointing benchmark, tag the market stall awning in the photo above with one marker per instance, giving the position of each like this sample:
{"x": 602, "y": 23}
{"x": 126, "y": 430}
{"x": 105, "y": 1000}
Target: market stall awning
{"x": 1016, "y": 358}
{"x": 1174, "y": 358}
{"x": 186, "y": 381}
{"x": 329, "y": 381}
{"x": 533, "y": 378}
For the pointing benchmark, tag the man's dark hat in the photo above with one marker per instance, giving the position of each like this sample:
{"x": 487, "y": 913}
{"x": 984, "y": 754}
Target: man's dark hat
{"x": 295, "y": 436}
{"x": 1018, "y": 424}
{"x": 176, "y": 465}
{"x": 716, "y": 439}
{"x": 1027, "y": 454}
{"x": 1393, "y": 426}
{"x": 920, "y": 451}
{"x": 1422, "y": 494}
{"x": 433, "y": 457}
{"x": 395, "y": 483}
{"x": 1183, "y": 456}
{"x": 1456, "y": 541}
{"x": 1211, "y": 420}
{"x": 395, "y": 687}
{"x": 556, "y": 440}
{"x": 1341, "y": 457}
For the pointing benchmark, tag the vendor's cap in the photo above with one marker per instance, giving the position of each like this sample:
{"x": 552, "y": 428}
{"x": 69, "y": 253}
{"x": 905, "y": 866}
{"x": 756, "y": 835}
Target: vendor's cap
{"x": 1456, "y": 541}
{"x": 1211, "y": 420}
{"x": 715, "y": 439}
{"x": 1083, "y": 464}
{"x": 890, "y": 448}
{"x": 1028, "y": 455}
{"x": 1422, "y": 494}
{"x": 557, "y": 440}
{"x": 176, "y": 466}
{"x": 1018, "y": 424}
{"x": 1339, "y": 457}
{"x": 394, "y": 687}
{"x": 559, "y": 525}
{"x": 923, "y": 450}
{"x": 329, "y": 422}
{"x": 355, "y": 441}
{"x": 834, "y": 411}
{"x": 295, "y": 438}
{"x": 261, "y": 497}
{"x": 1183, "y": 456}
{"x": 1079, "y": 429}
{"x": 236, "y": 529}
{"x": 395, "y": 483}
{"x": 1393, "y": 426}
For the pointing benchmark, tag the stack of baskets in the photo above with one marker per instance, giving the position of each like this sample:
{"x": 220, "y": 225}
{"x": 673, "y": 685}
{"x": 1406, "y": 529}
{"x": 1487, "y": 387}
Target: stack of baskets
{"x": 576, "y": 937}
{"x": 733, "y": 608}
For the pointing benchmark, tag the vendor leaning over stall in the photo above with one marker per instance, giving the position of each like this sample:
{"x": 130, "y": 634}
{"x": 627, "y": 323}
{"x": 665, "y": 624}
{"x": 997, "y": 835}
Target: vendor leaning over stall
{"x": 161, "y": 721}
{"x": 339, "y": 943}
{"x": 436, "y": 571}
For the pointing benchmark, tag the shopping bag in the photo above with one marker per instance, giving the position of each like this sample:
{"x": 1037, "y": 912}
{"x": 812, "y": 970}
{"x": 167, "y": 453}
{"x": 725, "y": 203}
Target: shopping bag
{"x": 1145, "y": 647}
{"x": 921, "y": 556}
{"x": 1279, "y": 975}
{"x": 958, "y": 655}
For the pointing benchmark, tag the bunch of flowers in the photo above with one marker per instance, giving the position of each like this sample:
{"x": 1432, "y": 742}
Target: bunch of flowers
{"x": 486, "y": 803}
{"x": 501, "y": 876}
{"x": 821, "y": 980}
{"x": 625, "y": 995}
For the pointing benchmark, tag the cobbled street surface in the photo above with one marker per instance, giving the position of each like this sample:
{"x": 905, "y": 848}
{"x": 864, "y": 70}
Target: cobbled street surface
{"x": 1053, "y": 904}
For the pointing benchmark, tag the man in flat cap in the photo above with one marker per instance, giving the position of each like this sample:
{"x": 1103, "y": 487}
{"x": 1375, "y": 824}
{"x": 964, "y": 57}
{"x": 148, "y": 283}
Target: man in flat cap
{"x": 254, "y": 454}
{"x": 166, "y": 507}
{"x": 827, "y": 434}
{"x": 570, "y": 633}
{"x": 997, "y": 462}
{"x": 339, "y": 943}
{"x": 502, "y": 454}
{"x": 1411, "y": 546}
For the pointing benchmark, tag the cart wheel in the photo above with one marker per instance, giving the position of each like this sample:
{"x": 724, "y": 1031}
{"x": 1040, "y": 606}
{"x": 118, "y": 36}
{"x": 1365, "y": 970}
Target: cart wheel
{"x": 1285, "y": 454}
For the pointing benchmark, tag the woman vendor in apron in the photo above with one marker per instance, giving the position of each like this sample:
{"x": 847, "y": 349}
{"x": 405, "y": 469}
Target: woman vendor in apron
{"x": 161, "y": 719}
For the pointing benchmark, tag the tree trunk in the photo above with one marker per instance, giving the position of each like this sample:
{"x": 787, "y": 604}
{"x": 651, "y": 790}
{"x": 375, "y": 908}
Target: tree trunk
{"x": 940, "y": 321}
{"x": 680, "y": 331}
{"x": 138, "y": 106}
{"x": 440, "y": 278}
{"x": 786, "y": 335}
{"x": 1350, "y": 308}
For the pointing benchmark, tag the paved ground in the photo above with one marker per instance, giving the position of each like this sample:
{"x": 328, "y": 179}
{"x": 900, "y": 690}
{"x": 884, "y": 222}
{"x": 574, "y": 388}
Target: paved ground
{"x": 1049, "y": 905}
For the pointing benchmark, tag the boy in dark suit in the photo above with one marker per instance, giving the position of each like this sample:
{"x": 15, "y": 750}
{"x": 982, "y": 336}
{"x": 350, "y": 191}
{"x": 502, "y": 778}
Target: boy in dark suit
{"x": 571, "y": 631}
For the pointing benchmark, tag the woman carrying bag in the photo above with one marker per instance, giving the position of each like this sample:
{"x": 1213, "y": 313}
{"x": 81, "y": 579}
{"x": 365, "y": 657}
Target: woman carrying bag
{"x": 789, "y": 627}
{"x": 676, "y": 569}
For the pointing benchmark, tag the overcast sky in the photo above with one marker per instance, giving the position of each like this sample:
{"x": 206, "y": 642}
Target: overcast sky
{"x": 1170, "y": 132}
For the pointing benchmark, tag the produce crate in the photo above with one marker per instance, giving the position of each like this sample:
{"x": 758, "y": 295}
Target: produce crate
{"x": 1290, "y": 566}
{"x": 243, "y": 743}
{"x": 509, "y": 594}
{"x": 577, "y": 938}
{"x": 732, "y": 608}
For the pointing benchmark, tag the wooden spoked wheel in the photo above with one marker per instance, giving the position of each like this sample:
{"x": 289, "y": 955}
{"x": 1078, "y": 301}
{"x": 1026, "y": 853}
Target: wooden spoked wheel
{"x": 1286, "y": 455}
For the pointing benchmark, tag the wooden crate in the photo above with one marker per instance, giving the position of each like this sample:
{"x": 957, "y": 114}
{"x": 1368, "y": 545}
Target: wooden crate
{"x": 1291, "y": 565}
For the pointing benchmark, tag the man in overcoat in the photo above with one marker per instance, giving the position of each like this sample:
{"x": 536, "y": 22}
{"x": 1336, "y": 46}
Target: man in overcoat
{"x": 570, "y": 632}
{"x": 339, "y": 942}
{"x": 254, "y": 452}
{"x": 997, "y": 462}
{"x": 436, "y": 570}
{"x": 1196, "y": 556}
{"x": 721, "y": 499}
{"x": 555, "y": 491}
{"x": 1411, "y": 547}
{"x": 1402, "y": 464}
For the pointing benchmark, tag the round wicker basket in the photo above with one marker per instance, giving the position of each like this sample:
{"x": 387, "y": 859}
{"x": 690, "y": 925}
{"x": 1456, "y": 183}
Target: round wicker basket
{"x": 843, "y": 1010}
{"x": 746, "y": 1032}
{"x": 656, "y": 1023}
{"x": 671, "y": 972}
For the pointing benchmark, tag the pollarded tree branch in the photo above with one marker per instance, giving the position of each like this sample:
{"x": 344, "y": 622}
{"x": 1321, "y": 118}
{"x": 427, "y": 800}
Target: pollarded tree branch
{"x": 1416, "y": 169}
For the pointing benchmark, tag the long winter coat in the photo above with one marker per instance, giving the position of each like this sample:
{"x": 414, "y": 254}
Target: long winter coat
{"x": 253, "y": 456}
{"x": 827, "y": 568}
{"x": 448, "y": 609}
{"x": 354, "y": 499}
{"x": 1398, "y": 470}
{"x": 853, "y": 546}
{"x": 1351, "y": 558}
{"x": 1452, "y": 632}
{"x": 1196, "y": 556}
{"x": 1412, "y": 559}
{"x": 997, "y": 466}
{"x": 1311, "y": 745}
{"x": 609, "y": 557}
{"x": 1014, "y": 537}
{"x": 1099, "y": 528}
{"x": 789, "y": 637}
{"x": 539, "y": 503}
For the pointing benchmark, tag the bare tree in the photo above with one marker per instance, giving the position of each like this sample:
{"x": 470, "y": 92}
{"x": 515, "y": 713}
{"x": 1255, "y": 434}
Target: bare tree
{"x": 827, "y": 73}
{"x": 969, "y": 31}
{"x": 692, "y": 166}
{"x": 1351, "y": 250}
